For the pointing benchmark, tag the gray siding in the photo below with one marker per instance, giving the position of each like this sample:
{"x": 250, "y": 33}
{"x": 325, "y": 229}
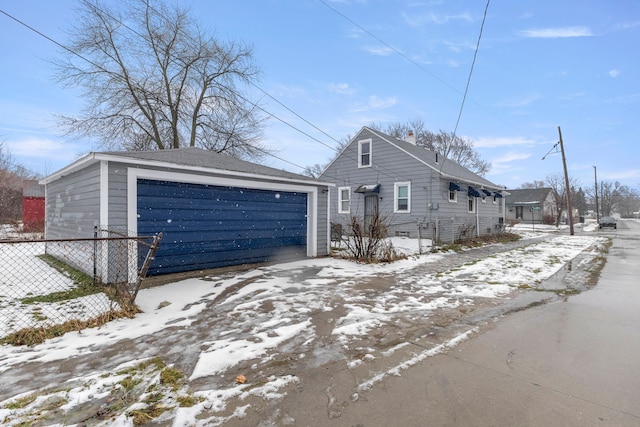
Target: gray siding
{"x": 118, "y": 196}
{"x": 429, "y": 191}
{"x": 323, "y": 224}
{"x": 72, "y": 204}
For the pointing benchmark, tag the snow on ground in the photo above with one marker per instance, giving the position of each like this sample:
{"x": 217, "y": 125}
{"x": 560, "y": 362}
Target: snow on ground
{"x": 23, "y": 274}
{"x": 291, "y": 291}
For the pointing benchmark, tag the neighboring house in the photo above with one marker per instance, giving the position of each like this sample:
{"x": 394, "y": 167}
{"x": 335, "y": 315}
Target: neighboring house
{"x": 213, "y": 210}
{"x": 32, "y": 206}
{"x": 417, "y": 192}
{"x": 531, "y": 205}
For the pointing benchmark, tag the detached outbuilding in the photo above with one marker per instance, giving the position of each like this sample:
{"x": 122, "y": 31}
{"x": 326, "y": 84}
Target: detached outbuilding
{"x": 213, "y": 210}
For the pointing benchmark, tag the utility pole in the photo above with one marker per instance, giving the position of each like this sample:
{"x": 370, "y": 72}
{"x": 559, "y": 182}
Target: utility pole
{"x": 595, "y": 174}
{"x": 566, "y": 183}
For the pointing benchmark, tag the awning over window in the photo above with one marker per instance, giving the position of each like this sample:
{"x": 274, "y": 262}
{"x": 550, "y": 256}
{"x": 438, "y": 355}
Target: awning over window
{"x": 473, "y": 192}
{"x": 368, "y": 188}
{"x": 454, "y": 187}
{"x": 486, "y": 192}
{"x": 498, "y": 195}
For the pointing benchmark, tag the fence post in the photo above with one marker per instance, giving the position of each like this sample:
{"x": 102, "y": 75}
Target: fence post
{"x": 95, "y": 254}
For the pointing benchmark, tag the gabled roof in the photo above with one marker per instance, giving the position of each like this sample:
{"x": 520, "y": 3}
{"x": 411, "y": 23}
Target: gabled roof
{"x": 528, "y": 195}
{"x": 192, "y": 158}
{"x": 448, "y": 169}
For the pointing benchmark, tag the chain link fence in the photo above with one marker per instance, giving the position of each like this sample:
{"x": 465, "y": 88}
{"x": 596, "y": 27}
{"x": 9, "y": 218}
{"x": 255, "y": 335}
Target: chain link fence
{"x": 50, "y": 282}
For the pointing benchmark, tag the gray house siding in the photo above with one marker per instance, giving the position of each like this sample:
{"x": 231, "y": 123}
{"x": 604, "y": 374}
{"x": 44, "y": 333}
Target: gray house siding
{"x": 72, "y": 204}
{"x": 431, "y": 214}
{"x": 72, "y": 210}
{"x": 530, "y": 205}
{"x": 117, "y": 201}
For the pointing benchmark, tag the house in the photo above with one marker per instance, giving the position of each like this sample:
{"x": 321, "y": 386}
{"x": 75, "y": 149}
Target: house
{"x": 531, "y": 205}
{"x": 213, "y": 210}
{"x": 417, "y": 192}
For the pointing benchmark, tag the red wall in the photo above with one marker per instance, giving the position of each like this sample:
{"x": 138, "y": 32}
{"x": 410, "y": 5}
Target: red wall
{"x": 33, "y": 213}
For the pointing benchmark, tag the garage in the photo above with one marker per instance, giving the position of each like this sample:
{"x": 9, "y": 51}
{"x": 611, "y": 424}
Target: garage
{"x": 213, "y": 210}
{"x": 210, "y": 226}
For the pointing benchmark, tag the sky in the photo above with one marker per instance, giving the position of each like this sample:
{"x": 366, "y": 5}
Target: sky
{"x": 243, "y": 337}
{"x": 338, "y": 65}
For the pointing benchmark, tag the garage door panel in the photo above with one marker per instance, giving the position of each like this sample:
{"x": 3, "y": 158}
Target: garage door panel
{"x": 209, "y": 227}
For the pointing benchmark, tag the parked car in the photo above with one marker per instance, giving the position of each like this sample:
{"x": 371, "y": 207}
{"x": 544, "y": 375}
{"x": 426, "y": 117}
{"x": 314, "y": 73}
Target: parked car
{"x": 608, "y": 221}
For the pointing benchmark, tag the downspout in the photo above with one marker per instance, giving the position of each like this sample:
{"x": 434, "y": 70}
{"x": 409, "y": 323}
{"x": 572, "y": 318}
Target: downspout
{"x": 477, "y": 217}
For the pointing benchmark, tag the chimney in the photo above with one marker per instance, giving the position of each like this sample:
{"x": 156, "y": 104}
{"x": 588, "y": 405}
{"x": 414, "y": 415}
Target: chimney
{"x": 411, "y": 138}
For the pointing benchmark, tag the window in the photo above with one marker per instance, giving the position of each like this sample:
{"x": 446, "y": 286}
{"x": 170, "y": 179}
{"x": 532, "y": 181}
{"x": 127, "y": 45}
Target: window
{"x": 402, "y": 197}
{"x": 472, "y": 204}
{"x": 364, "y": 153}
{"x": 344, "y": 199}
{"x": 453, "y": 196}
{"x": 519, "y": 212}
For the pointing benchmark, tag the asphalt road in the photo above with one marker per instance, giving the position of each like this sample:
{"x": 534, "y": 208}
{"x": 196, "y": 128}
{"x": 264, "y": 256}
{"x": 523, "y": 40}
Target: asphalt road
{"x": 567, "y": 363}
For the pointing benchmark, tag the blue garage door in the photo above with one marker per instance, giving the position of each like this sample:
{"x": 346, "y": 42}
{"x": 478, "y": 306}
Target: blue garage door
{"x": 209, "y": 226}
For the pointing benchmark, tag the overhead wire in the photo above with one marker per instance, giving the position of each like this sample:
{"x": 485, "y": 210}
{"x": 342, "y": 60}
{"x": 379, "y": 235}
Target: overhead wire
{"x": 411, "y": 60}
{"x": 255, "y": 104}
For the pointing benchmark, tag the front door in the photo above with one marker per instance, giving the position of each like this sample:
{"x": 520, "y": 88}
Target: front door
{"x": 370, "y": 210}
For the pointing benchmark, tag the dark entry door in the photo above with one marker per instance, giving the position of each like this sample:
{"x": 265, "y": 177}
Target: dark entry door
{"x": 370, "y": 209}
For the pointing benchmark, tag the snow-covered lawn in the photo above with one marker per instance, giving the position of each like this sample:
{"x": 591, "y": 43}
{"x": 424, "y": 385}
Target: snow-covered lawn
{"x": 24, "y": 274}
{"x": 271, "y": 308}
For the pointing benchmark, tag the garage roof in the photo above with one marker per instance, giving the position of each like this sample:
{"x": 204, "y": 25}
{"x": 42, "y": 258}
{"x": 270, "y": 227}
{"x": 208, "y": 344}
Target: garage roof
{"x": 191, "y": 158}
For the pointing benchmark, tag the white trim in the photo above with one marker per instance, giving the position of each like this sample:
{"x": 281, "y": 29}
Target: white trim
{"x": 455, "y": 196}
{"x": 340, "y": 200}
{"x": 104, "y": 194}
{"x": 360, "y": 144}
{"x": 133, "y": 174}
{"x": 475, "y": 204}
{"x": 103, "y": 220}
{"x": 395, "y": 196}
{"x": 94, "y": 157}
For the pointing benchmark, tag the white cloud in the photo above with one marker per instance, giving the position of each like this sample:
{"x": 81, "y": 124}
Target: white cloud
{"x": 341, "y": 88}
{"x": 41, "y": 148}
{"x": 489, "y": 142}
{"x": 614, "y": 73}
{"x": 511, "y": 156}
{"x": 520, "y": 101}
{"x": 381, "y": 103}
{"x": 623, "y": 175}
{"x": 379, "y": 50}
{"x": 555, "y": 33}
{"x": 419, "y": 20}
{"x": 376, "y": 103}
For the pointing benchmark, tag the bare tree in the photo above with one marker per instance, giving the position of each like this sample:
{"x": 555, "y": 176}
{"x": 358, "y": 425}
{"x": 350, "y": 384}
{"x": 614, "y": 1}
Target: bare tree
{"x": 557, "y": 183}
{"x": 450, "y": 146}
{"x": 534, "y": 184}
{"x": 314, "y": 171}
{"x": 11, "y": 177}
{"x": 153, "y": 79}
{"x": 612, "y": 194}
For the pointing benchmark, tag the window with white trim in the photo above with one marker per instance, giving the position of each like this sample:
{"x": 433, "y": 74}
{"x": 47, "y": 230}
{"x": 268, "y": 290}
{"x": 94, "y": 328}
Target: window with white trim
{"x": 453, "y": 196}
{"x": 344, "y": 199}
{"x": 472, "y": 204}
{"x": 402, "y": 197}
{"x": 364, "y": 153}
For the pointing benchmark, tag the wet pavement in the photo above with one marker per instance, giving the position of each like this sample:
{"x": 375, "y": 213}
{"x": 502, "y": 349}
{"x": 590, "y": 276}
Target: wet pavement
{"x": 330, "y": 391}
{"x": 571, "y": 362}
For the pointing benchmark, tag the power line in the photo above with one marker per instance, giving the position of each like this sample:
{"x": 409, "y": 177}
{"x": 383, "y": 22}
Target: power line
{"x": 400, "y": 53}
{"x": 475, "y": 55}
{"x": 409, "y": 59}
